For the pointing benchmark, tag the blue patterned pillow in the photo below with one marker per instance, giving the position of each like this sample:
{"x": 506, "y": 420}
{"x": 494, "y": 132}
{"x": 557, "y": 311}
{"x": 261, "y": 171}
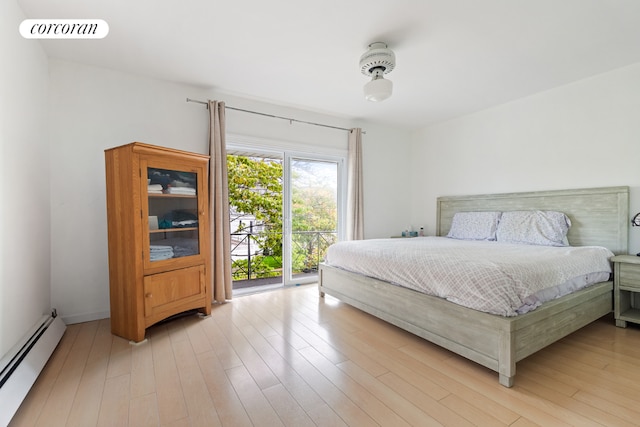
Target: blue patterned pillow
{"x": 547, "y": 228}
{"x": 474, "y": 225}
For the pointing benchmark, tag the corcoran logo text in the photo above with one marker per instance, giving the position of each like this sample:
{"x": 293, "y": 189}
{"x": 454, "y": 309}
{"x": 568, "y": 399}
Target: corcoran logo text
{"x": 64, "y": 28}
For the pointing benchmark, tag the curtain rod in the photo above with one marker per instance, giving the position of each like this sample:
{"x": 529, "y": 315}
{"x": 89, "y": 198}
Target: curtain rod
{"x": 272, "y": 116}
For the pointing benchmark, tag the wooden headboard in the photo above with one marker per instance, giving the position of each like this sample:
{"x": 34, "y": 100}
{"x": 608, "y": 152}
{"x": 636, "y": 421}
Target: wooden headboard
{"x": 599, "y": 216}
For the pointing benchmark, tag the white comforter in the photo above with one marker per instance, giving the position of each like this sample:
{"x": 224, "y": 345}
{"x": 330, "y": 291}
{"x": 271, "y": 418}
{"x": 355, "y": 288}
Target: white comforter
{"x": 498, "y": 278}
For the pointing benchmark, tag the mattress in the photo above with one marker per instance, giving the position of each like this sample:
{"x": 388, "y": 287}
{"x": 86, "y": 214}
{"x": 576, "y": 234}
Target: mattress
{"x": 493, "y": 277}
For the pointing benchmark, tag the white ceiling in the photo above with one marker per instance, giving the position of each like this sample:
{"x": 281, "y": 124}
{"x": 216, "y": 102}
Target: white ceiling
{"x": 453, "y": 56}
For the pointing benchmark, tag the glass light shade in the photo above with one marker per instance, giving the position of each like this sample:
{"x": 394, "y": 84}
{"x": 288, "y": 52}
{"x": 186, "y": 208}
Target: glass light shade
{"x": 378, "y": 89}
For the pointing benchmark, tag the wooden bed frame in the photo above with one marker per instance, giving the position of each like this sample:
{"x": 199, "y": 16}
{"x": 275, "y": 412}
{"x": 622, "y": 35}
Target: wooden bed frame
{"x": 599, "y": 217}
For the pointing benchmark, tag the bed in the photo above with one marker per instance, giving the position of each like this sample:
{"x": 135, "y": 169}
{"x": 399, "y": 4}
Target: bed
{"x": 599, "y": 217}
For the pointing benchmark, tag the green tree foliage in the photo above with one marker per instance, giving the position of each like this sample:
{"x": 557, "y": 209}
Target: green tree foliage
{"x": 314, "y": 216}
{"x": 255, "y": 187}
{"x": 313, "y": 209}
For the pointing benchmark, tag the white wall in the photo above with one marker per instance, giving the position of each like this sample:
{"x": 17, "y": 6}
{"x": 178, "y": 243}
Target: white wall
{"x": 24, "y": 184}
{"x": 92, "y": 109}
{"x": 585, "y": 134}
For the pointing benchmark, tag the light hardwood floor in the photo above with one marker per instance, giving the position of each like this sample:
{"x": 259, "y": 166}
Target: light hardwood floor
{"x": 289, "y": 358}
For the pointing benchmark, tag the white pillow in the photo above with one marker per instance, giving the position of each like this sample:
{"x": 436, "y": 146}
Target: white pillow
{"x": 547, "y": 228}
{"x": 474, "y": 225}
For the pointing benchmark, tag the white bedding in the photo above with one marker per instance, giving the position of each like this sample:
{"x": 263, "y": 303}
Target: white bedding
{"x": 498, "y": 278}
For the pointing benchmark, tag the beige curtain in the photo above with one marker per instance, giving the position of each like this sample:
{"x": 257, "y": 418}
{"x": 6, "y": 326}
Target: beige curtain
{"x": 355, "y": 215}
{"x": 219, "y": 205}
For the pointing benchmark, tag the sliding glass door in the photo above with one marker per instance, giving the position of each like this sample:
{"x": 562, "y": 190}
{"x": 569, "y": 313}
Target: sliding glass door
{"x": 284, "y": 212}
{"x": 311, "y": 220}
{"x": 255, "y": 214}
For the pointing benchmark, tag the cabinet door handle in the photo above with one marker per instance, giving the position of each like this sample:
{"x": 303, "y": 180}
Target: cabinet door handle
{"x": 148, "y": 295}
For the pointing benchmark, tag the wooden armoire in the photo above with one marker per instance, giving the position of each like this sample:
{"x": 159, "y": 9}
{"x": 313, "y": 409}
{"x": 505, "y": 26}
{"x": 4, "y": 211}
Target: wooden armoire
{"x": 158, "y": 234}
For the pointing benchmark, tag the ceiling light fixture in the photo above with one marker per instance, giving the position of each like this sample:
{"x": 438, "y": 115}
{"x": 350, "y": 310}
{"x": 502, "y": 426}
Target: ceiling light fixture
{"x": 376, "y": 62}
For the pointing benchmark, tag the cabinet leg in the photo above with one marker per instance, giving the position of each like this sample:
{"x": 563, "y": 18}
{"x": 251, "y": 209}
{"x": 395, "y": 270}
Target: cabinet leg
{"x": 621, "y": 323}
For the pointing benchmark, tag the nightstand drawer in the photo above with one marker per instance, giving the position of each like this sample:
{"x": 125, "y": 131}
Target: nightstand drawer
{"x": 629, "y": 276}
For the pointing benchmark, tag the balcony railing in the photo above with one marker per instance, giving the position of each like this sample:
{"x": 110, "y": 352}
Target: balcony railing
{"x": 251, "y": 262}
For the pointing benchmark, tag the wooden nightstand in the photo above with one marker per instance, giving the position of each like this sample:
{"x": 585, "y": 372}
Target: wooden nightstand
{"x": 626, "y": 289}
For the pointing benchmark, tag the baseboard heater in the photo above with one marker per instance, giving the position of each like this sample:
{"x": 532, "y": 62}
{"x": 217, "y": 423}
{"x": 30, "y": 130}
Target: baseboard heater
{"x": 20, "y": 368}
